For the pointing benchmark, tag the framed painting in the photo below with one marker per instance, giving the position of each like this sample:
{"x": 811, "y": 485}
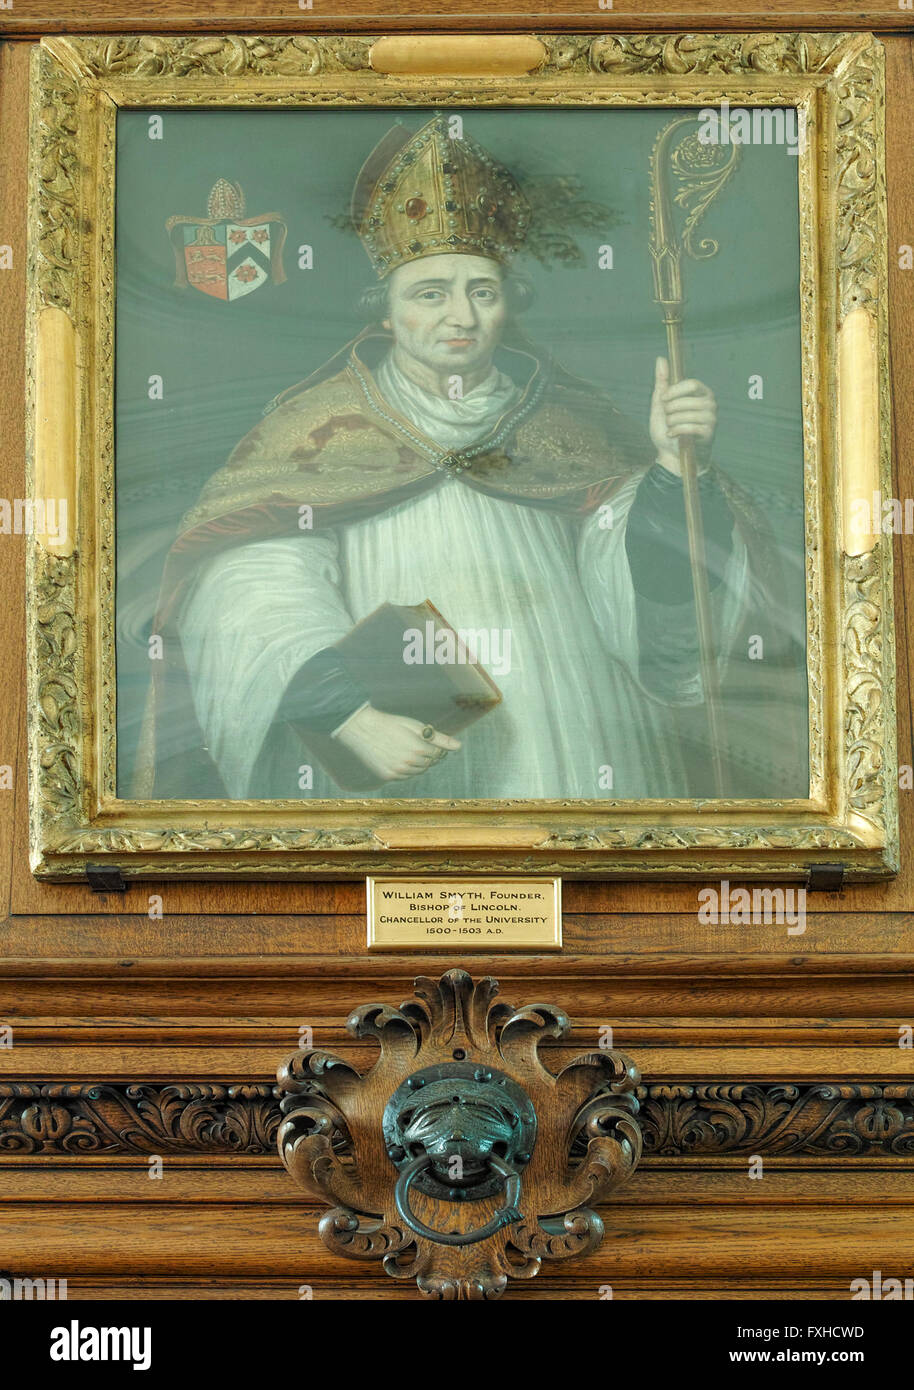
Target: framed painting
{"x": 460, "y": 454}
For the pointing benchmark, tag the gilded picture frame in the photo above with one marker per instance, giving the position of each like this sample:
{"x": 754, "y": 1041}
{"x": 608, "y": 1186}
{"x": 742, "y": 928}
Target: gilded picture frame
{"x": 77, "y": 818}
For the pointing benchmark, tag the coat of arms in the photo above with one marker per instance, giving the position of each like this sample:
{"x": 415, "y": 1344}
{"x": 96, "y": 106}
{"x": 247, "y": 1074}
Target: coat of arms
{"x": 226, "y": 254}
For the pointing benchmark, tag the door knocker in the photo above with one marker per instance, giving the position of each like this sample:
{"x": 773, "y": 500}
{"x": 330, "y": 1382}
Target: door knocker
{"x": 459, "y": 1132}
{"x": 458, "y": 1159}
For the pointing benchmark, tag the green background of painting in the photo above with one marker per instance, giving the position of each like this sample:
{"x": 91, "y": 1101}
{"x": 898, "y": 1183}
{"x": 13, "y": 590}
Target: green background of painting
{"x": 221, "y": 362}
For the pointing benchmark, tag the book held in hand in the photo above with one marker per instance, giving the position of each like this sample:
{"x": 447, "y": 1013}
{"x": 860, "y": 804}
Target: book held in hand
{"x": 411, "y": 662}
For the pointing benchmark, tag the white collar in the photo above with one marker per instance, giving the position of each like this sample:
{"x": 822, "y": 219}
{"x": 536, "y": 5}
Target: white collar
{"x": 454, "y": 424}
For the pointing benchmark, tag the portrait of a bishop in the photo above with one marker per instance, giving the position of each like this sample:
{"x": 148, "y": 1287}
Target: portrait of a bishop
{"x": 442, "y": 456}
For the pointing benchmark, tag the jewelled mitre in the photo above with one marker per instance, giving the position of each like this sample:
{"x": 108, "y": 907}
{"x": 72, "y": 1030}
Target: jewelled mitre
{"x": 429, "y": 194}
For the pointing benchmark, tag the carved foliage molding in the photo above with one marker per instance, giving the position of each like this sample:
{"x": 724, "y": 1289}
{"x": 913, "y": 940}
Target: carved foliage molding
{"x": 105, "y": 1119}
{"x": 243, "y": 55}
{"x": 829, "y": 1119}
{"x": 217, "y": 55}
{"x": 56, "y": 667}
{"x": 678, "y": 1119}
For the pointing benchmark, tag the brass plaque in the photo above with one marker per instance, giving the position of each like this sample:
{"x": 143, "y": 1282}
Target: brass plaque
{"x": 474, "y": 914}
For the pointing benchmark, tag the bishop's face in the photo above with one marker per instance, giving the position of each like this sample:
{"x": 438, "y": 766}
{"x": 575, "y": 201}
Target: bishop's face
{"x": 447, "y": 313}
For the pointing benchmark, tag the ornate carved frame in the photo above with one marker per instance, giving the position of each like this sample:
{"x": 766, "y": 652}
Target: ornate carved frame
{"x": 837, "y": 80}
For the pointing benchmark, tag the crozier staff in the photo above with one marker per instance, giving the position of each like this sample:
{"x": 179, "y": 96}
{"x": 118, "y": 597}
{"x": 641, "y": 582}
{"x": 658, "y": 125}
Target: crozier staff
{"x": 491, "y": 504}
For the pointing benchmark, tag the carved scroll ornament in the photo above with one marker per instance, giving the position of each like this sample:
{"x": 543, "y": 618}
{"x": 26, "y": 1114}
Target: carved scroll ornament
{"x": 337, "y": 1140}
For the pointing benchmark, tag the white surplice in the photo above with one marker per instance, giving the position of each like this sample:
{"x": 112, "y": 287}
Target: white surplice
{"x": 575, "y": 720}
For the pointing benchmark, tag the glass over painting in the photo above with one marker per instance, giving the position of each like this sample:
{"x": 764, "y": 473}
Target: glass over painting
{"x": 398, "y": 508}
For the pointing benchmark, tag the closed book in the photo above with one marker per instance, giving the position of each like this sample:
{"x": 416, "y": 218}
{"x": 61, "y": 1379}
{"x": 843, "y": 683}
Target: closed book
{"x": 410, "y": 661}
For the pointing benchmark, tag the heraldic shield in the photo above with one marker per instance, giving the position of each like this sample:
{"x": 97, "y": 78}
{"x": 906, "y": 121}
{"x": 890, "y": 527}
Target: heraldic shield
{"x": 227, "y": 255}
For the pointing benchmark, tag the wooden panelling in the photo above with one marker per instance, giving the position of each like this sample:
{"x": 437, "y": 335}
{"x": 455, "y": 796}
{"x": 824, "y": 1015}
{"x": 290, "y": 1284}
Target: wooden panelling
{"x": 379, "y": 16}
{"x": 230, "y": 1239}
{"x": 217, "y": 989}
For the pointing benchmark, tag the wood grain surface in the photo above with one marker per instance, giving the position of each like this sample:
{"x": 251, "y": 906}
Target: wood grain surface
{"x": 29, "y": 17}
{"x": 218, "y": 988}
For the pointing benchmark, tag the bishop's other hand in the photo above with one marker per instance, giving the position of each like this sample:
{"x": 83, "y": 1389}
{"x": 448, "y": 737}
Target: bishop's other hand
{"x": 393, "y": 746}
{"x": 687, "y": 410}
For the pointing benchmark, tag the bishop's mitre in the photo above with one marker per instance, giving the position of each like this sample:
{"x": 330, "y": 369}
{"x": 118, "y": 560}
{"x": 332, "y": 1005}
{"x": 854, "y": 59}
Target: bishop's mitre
{"x": 433, "y": 193}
